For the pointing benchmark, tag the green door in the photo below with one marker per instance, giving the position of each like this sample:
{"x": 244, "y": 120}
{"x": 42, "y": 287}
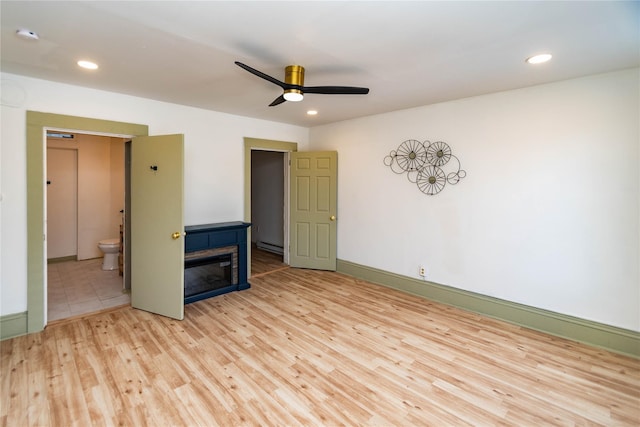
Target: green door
{"x": 313, "y": 208}
{"x": 157, "y": 225}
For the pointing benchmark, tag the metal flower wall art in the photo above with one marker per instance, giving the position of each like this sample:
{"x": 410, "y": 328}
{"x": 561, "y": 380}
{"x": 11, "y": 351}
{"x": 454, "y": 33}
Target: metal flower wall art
{"x": 430, "y": 165}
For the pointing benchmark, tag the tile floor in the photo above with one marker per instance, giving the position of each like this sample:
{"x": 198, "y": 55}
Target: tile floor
{"x": 80, "y": 287}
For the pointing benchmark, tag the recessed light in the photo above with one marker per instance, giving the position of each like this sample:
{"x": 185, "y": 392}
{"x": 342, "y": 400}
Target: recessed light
{"x": 312, "y": 112}
{"x": 88, "y": 65}
{"x": 27, "y": 34}
{"x": 539, "y": 59}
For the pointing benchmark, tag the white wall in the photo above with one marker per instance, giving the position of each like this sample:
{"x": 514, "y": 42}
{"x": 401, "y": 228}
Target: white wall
{"x": 214, "y": 159}
{"x": 547, "y": 216}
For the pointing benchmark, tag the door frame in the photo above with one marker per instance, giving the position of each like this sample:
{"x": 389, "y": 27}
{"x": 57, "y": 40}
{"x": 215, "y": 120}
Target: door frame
{"x": 37, "y": 124}
{"x": 259, "y": 144}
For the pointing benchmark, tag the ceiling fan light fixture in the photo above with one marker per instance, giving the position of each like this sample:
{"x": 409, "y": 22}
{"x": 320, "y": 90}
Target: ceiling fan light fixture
{"x": 293, "y": 95}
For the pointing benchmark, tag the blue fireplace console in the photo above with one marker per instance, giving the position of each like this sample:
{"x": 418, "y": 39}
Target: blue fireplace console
{"x": 215, "y": 259}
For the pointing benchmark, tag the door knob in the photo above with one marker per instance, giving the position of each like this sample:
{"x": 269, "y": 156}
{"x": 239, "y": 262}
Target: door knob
{"x": 332, "y": 217}
{"x": 176, "y": 235}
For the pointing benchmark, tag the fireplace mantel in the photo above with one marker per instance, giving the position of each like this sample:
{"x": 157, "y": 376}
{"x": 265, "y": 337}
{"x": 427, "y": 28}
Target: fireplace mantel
{"x": 212, "y": 238}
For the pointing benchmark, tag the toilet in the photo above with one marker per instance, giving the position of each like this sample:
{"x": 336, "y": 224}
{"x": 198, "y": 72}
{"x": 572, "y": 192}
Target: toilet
{"x": 110, "y": 248}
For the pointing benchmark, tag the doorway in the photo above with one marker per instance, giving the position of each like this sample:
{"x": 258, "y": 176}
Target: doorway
{"x": 37, "y": 125}
{"x": 310, "y": 198}
{"x": 267, "y": 200}
{"x": 281, "y": 150}
{"x": 85, "y": 205}
{"x": 267, "y": 212}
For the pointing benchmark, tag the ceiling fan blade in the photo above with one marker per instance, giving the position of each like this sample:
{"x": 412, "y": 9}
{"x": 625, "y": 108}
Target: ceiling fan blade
{"x": 262, "y": 75}
{"x": 279, "y": 100}
{"x": 336, "y": 90}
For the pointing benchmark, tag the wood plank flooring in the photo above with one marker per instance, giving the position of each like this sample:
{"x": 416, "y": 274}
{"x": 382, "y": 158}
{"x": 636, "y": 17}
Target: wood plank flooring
{"x": 310, "y": 348}
{"x": 263, "y": 262}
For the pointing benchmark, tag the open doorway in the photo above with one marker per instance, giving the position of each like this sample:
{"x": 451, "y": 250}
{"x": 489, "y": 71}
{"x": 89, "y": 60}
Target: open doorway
{"x": 267, "y": 211}
{"x": 275, "y": 155}
{"x": 38, "y": 123}
{"x": 85, "y": 199}
{"x": 310, "y": 197}
{"x": 267, "y": 200}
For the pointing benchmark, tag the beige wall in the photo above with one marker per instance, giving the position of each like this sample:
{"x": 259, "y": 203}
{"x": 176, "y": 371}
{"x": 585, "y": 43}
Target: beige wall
{"x": 62, "y": 202}
{"x": 100, "y": 190}
{"x": 117, "y": 186}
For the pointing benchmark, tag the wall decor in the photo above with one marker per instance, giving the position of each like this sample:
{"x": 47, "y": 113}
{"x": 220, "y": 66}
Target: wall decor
{"x": 425, "y": 164}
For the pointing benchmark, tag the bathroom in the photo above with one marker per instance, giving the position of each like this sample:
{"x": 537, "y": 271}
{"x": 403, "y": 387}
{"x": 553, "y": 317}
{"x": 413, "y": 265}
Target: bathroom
{"x": 85, "y": 199}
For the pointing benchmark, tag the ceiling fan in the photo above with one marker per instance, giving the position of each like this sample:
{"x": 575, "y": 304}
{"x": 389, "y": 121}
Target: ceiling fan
{"x": 294, "y": 88}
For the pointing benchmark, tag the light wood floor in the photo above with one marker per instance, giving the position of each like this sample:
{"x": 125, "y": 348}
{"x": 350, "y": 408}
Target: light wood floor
{"x": 310, "y": 348}
{"x": 263, "y": 262}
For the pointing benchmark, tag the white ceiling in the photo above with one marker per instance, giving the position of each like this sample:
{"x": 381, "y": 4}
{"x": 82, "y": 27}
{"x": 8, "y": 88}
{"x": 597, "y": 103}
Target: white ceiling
{"x": 408, "y": 53}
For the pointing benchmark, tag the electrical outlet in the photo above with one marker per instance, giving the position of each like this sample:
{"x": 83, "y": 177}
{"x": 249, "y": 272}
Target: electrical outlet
{"x": 422, "y": 271}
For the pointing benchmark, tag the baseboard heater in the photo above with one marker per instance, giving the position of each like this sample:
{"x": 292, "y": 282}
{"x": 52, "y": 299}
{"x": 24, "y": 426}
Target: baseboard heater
{"x": 270, "y": 247}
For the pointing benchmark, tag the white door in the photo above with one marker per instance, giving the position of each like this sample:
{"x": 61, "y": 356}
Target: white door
{"x": 62, "y": 202}
{"x": 313, "y": 210}
{"x": 157, "y": 225}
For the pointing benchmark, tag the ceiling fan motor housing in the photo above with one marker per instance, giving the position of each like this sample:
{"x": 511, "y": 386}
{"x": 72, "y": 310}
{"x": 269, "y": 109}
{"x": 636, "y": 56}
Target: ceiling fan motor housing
{"x": 294, "y": 75}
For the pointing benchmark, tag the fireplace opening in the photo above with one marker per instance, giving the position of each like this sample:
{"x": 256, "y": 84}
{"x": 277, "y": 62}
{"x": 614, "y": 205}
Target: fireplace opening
{"x": 208, "y": 271}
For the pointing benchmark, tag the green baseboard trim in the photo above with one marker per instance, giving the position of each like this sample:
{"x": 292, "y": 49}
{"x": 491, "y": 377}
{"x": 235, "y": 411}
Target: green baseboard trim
{"x": 596, "y": 334}
{"x": 13, "y": 325}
